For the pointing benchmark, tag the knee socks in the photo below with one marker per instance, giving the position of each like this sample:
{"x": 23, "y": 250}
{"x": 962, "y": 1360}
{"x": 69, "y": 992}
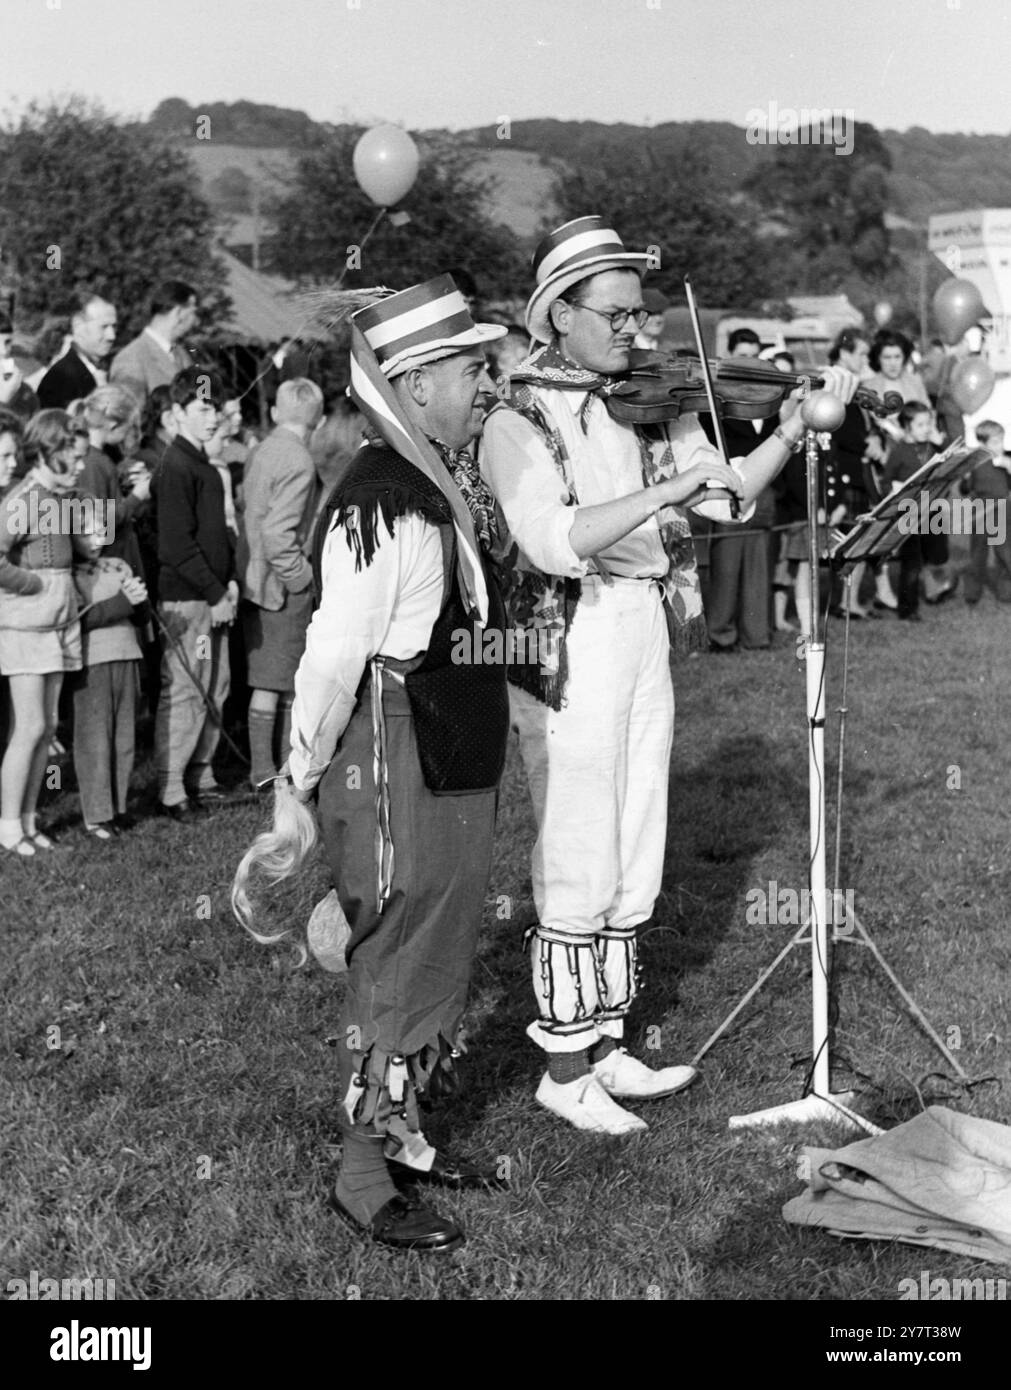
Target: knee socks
{"x": 364, "y": 1184}
{"x": 261, "y": 737}
{"x": 282, "y": 745}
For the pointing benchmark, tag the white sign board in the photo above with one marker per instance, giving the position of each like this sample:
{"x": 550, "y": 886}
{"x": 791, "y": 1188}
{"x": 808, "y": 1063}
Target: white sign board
{"x": 976, "y": 246}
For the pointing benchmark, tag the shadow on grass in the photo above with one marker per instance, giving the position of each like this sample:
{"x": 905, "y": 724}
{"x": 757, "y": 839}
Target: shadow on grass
{"x": 723, "y": 814}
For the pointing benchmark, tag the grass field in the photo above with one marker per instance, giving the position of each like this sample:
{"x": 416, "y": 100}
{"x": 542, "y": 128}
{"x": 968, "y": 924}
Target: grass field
{"x": 177, "y": 1131}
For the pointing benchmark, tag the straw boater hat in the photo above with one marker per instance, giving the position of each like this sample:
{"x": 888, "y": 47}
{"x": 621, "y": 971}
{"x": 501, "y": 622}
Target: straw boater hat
{"x": 579, "y": 248}
{"x": 422, "y": 324}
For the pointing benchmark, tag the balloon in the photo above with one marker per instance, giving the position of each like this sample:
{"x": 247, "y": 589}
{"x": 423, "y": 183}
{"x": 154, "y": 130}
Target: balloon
{"x": 883, "y": 312}
{"x": 386, "y": 164}
{"x": 958, "y": 304}
{"x": 972, "y": 383}
{"x": 823, "y": 412}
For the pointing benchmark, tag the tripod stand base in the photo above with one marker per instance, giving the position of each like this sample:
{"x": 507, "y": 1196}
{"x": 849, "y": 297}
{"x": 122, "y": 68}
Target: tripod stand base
{"x": 803, "y": 1111}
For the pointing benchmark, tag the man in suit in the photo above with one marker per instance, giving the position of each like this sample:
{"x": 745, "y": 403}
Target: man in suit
{"x": 156, "y": 355}
{"x": 79, "y": 371}
{"x": 740, "y": 566}
{"x": 279, "y": 489}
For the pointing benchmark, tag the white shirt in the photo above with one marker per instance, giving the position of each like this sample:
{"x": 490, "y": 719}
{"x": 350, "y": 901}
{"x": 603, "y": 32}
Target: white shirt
{"x": 606, "y": 464}
{"x": 388, "y": 607}
{"x": 163, "y": 343}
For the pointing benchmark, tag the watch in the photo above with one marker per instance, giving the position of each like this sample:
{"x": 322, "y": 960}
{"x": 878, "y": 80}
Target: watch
{"x": 793, "y": 445}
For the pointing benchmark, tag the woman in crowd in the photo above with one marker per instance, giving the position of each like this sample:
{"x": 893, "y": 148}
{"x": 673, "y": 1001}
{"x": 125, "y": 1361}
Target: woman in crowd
{"x": 40, "y": 637}
{"x": 891, "y": 361}
{"x": 854, "y": 448}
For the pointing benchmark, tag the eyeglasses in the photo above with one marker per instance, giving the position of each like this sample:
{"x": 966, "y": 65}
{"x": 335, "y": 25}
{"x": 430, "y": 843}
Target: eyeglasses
{"x": 619, "y": 317}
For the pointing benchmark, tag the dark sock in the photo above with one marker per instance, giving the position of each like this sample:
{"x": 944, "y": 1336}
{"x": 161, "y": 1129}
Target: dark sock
{"x": 282, "y": 741}
{"x": 602, "y": 1049}
{"x": 261, "y": 738}
{"x": 364, "y": 1184}
{"x": 568, "y": 1066}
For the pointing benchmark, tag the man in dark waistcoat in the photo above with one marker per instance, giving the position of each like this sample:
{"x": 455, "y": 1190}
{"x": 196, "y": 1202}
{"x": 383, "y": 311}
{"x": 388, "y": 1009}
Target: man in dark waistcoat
{"x": 403, "y": 746}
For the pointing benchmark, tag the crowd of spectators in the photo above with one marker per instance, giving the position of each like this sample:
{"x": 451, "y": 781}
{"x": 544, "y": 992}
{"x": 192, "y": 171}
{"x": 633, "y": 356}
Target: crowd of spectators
{"x": 154, "y": 547}
{"x": 757, "y": 579}
{"x": 151, "y": 541}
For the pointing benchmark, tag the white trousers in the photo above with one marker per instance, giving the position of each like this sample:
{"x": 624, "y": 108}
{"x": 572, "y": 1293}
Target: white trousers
{"x": 598, "y": 772}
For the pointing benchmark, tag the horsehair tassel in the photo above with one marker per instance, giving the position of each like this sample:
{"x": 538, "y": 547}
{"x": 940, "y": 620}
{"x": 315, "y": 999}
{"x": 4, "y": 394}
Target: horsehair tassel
{"x": 326, "y": 309}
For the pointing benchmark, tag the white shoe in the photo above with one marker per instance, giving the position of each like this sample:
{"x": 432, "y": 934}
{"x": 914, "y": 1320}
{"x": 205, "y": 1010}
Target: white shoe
{"x": 624, "y": 1076}
{"x": 585, "y": 1104}
{"x": 885, "y": 594}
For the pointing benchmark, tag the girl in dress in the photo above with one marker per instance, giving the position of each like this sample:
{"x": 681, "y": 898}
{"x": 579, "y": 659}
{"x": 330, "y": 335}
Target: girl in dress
{"x": 40, "y": 637}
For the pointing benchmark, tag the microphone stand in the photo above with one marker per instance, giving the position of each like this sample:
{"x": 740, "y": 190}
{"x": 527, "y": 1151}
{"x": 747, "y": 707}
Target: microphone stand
{"x": 820, "y": 1103}
{"x": 826, "y": 910}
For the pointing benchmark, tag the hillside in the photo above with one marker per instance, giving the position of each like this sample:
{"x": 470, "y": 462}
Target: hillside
{"x": 520, "y": 197}
{"x": 930, "y": 172}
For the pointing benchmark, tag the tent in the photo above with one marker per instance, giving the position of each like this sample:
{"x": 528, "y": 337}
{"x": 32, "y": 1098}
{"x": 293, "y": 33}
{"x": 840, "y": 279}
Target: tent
{"x": 264, "y": 310}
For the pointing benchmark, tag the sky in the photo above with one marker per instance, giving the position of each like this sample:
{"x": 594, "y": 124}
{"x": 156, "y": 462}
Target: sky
{"x": 942, "y": 64}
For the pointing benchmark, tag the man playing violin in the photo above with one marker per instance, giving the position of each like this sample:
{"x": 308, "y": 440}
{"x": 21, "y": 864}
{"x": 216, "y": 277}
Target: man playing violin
{"x": 597, "y": 564}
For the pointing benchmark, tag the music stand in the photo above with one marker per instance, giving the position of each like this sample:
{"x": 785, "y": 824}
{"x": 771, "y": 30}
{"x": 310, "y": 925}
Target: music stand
{"x": 876, "y": 535}
{"x": 879, "y": 534}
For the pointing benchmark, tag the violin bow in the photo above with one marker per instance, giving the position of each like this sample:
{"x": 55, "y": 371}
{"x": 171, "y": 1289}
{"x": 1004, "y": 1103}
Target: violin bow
{"x": 721, "y": 441}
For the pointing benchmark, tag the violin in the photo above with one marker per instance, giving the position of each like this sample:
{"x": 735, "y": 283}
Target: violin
{"x": 658, "y": 387}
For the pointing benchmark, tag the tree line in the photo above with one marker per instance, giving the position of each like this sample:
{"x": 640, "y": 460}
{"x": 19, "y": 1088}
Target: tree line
{"x": 87, "y": 199}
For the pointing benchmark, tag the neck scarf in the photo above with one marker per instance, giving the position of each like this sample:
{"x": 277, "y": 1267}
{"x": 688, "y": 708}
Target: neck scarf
{"x": 474, "y": 491}
{"x": 551, "y": 369}
{"x": 549, "y": 601}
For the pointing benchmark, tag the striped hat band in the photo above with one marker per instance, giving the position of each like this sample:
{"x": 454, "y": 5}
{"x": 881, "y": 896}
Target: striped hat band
{"x": 584, "y": 239}
{"x": 573, "y": 252}
{"x": 428, "y": 314}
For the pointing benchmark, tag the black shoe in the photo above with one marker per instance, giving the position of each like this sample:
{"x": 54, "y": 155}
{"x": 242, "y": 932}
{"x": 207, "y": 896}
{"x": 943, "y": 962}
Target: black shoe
{"x": 183, "y": 811}
{"x": 403, "y": 1224}
{"x": 455, "y": 1173}
{"x": 722, "y": 647}
{"x": 125, "y": 822}
{"x": 913, "y": 617}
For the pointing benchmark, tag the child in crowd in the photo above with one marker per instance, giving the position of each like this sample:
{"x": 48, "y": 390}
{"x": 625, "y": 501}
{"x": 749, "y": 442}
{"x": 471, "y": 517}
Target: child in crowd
{"x": 989, "y": 482}
{"x": 156, "y": 435}
{"x": 110, "y": 414}
{"x": 113, "y": 602}
{"x": 217, "y": 450}
{"x": 197, "y": 594}
{"x": 280, "y": 490}
{"x": 505, "y": 354}
{"x": 906, "y": 457}
{"x": 40, "y": 637}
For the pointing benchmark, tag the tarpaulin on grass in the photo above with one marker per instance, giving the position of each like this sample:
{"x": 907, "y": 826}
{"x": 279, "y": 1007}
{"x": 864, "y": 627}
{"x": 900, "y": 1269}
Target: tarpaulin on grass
{"x": 942, "y": 1180}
